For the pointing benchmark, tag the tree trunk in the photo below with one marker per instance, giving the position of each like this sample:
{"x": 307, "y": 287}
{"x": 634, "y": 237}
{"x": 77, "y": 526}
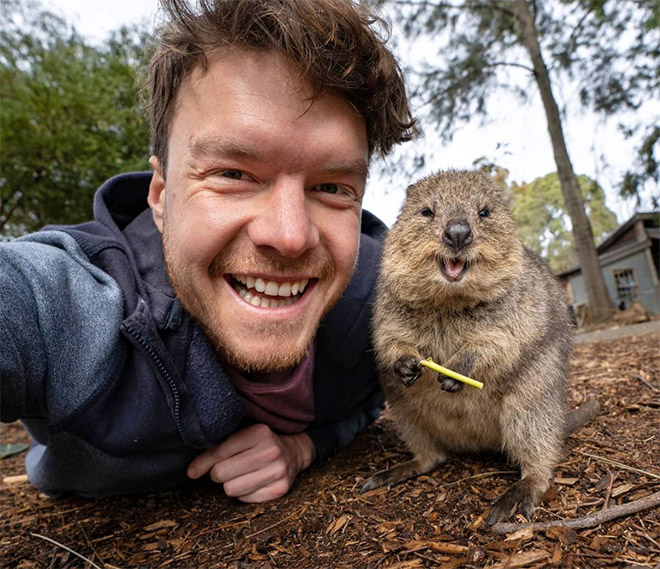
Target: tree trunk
{"x": 599, "y": 302}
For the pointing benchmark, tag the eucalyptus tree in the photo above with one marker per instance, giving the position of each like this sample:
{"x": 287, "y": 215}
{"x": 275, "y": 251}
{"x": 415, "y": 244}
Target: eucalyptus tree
{"x": 609, "y": 48}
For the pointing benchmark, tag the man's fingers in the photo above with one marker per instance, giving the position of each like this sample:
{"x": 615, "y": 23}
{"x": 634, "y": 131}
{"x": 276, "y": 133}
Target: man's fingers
{"x": 202, "y": 463}
{"x": 205, "y": 461}
{"x": 243, "y": 452}
{"x": 254, "y": 464}
{"x": 260, "y": 485}
{"x": 267, "y": 493}
{"x": 246, "y": 462}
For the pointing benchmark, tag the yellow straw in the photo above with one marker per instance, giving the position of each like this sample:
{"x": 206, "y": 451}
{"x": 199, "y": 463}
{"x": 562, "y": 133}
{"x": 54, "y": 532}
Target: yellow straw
{"x": 429, "y": 363}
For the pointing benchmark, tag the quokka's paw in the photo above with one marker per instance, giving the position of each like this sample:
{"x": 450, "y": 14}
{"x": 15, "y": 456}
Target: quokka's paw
{"x": 463, "y": 363}
{"x": 449, "y": 384}
{"x": 518, "y": 499}
{"x": 377, "y": 480}
{"x": 398, "y": 473}
{"x": 408, "y": 370}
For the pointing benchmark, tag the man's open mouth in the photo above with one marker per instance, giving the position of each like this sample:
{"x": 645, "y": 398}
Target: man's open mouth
{"x": 268, "y": 294}
{"x": 454, "y": 269}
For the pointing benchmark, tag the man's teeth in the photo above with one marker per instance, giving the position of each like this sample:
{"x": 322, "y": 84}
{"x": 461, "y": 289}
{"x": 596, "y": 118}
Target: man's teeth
{"x": 286, "y": 290}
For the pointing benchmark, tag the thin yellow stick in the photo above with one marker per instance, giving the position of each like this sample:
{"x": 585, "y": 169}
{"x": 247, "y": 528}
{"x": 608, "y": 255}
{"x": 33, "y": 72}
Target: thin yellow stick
{"x": 429, "y": 363}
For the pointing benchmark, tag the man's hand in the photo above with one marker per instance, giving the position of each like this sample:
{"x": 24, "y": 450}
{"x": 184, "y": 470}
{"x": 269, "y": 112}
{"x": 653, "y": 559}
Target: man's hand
{"x": 255, "y": 464}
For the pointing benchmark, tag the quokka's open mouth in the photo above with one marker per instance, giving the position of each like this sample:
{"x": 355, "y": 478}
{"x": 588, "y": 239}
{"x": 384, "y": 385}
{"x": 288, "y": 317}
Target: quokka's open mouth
{"x": 454, "y": 269}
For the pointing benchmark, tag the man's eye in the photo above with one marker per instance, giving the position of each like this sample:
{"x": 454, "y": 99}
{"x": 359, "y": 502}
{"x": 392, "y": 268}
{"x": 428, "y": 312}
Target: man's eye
{"x": 327, "y": 188}
{"x": 233, "y": 174}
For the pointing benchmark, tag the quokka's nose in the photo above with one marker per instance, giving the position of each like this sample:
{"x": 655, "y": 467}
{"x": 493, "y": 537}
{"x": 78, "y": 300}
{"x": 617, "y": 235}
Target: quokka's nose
{"x": 457, "y": 235}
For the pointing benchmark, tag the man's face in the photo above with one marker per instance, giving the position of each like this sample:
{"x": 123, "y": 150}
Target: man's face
{"x": 260, "y": 206}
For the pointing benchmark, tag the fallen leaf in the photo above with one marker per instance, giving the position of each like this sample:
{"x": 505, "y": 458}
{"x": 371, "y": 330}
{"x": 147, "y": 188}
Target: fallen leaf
{"x": 412, "y": 564}
{"x": 449, "y": 548}
{"x": 151, "y": 546}
{"x": 598, "y": 542}
{"x": 564, "y": 535}
{"x": 389, "y": 545}
{"x": 160, "y": 525}
{"x": 523, "y": 535}
{"x": 478, "y": 522}
{"x": 11, "y": 449}
{"x": 523, "y": 559}
{"x": 338, "y": 524}
{"x": 604, "y": 482}
{"x": 619, "y": 490}
{"x": 566, "y": 481}
{"x": 416, "y": 545}
{"x": 556, "y": 556}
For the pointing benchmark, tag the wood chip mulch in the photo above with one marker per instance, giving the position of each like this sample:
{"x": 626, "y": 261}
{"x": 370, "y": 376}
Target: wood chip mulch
{"x": 433, "y": 521}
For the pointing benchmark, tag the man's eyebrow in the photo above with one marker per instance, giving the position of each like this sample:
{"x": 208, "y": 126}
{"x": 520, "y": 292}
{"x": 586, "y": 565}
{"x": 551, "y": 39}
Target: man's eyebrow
{"x": 209, "y": 146}
{"x": 347, "y": 167}
{"x": 204, "y": 147}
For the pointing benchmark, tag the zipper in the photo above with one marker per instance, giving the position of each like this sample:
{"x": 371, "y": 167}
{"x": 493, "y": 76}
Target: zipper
{"x": 130, "y": 329}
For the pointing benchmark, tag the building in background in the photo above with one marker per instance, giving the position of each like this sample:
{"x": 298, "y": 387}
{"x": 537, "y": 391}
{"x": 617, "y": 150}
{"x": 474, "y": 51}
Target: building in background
{"x": 630, "y": 263}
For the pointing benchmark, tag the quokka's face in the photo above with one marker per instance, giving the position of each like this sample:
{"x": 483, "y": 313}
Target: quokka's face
{"x": 457, "y": 229}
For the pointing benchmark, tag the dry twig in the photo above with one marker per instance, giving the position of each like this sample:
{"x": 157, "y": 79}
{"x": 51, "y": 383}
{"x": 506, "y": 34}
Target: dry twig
{"x": 651, "y": 501}
{"x": 648, "y": 384}
{"x": 67, "y": 548}
{"x": 621, "y": 465}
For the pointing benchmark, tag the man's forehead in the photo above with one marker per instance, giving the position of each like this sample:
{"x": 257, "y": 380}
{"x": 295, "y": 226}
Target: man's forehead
{"x": 237, "y": 59}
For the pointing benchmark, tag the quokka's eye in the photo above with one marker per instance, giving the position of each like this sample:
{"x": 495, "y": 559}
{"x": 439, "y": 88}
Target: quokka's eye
{"x": 427, "y": 212}
{"x": 484, "y": 212}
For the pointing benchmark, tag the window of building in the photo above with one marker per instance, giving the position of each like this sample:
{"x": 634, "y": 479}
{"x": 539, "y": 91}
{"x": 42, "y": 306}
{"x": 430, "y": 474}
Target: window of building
{"x": 626, "y": 287}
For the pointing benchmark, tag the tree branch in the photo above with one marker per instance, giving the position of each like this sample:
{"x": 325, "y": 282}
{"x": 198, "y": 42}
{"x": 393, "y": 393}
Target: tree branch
{"x": 510, "y": 64}
{"x": 572, "y": 40}
{"x": 634, "y": 507}
{"x": 476, "y": 5}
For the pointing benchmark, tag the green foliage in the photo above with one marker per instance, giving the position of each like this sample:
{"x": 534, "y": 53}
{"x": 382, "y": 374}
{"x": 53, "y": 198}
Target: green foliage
{"x": 542, "y": 219}
{"x": 538, "y": 208}
{"x": 69, "y": 117}
{"x": 610, "y": 49}
{"x": 645, "y": 170}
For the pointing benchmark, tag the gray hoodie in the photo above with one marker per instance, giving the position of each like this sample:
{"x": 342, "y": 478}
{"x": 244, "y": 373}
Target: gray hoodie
{"x": 117, "y": 385}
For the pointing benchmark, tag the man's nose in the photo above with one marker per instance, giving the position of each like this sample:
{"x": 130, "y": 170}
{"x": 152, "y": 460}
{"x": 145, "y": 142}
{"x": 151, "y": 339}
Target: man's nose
{"x": 283, "y": 222}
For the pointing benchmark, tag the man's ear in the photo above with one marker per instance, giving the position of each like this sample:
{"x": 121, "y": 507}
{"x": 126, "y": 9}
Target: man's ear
{"x": 156, "y": 197}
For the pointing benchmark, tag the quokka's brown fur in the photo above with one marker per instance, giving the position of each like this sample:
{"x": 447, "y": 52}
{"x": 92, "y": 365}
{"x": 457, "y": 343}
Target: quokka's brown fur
{"x": 503, "y": 321}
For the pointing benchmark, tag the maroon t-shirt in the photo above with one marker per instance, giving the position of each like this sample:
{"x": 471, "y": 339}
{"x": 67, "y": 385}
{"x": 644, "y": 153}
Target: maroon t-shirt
{"x": 286, "y": 407}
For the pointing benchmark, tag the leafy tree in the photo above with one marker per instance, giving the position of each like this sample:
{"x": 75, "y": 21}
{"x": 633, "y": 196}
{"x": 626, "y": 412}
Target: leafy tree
{"x": 610, "y": 48}
{"x": 542, "y": 219}
{"x": 69, "y": 117}
{"x": 646, "y": 169}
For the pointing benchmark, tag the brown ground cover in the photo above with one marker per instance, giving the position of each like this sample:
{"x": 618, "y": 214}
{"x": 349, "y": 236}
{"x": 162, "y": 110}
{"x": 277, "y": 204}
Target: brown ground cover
{"x": 434, "y": 521}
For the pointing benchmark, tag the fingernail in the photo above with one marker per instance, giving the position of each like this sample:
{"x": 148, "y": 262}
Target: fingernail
{"x": 192, "y": 472}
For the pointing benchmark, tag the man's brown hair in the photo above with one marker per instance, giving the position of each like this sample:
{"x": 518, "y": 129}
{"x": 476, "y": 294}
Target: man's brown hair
{"x": 336, "y": 45}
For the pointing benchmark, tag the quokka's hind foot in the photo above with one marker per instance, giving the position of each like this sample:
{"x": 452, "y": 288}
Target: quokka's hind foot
{"x": 521, "y": 498}
{"x": 399, "y": 473}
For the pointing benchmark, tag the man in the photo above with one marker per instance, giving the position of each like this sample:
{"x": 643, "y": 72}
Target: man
{"x": 245, "y": 329}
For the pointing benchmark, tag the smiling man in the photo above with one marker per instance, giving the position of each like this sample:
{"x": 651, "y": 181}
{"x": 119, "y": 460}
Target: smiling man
{"x": 277, "y": 184}
{"x": 214, "y": 317}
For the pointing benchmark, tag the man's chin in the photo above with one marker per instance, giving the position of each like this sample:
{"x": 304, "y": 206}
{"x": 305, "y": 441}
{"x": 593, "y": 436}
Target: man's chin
{"x": 263, "y": 359}
{"x": 254, "y": 347}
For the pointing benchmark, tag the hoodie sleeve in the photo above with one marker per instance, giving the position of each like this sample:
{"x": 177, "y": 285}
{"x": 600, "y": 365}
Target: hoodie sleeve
{"x": 60, "y": 318}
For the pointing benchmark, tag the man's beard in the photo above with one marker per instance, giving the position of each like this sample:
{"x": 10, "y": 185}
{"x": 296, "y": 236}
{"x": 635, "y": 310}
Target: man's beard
{"x": 207, "y": 313}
